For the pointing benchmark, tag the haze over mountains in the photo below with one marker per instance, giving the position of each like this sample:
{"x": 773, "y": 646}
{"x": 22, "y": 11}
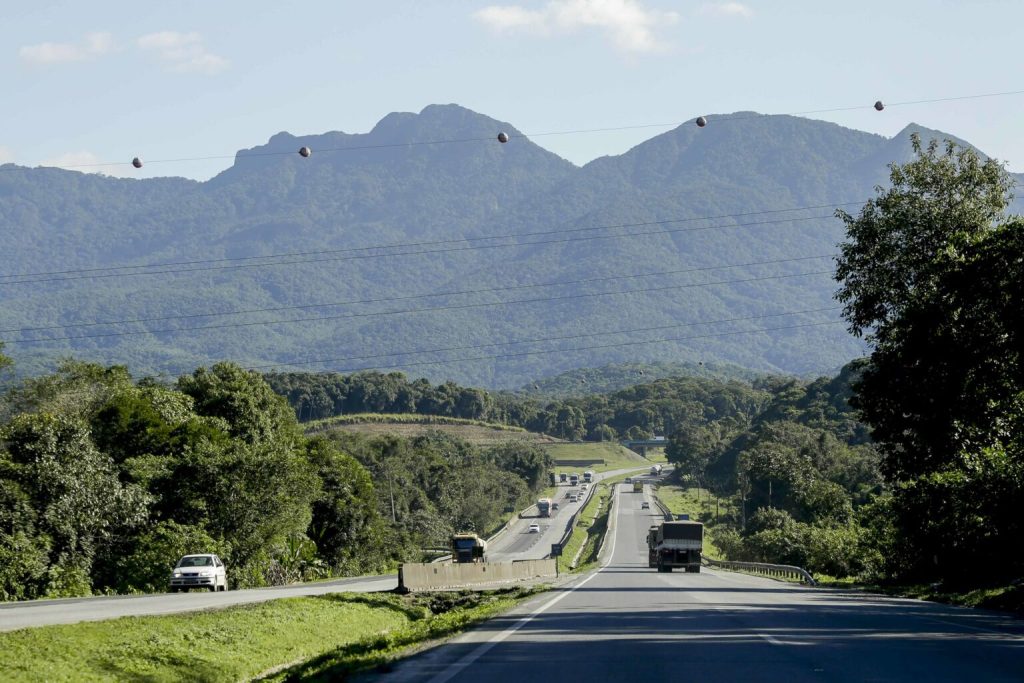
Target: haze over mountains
{"x": 630, "y": 215}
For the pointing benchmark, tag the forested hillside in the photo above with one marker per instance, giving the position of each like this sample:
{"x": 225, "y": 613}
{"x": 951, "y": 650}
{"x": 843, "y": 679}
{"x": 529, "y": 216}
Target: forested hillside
{"x": 441, "y": 298}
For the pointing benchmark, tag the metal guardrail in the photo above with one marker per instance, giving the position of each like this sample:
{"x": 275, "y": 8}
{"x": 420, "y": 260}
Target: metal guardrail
{"x": 784, "y": 571}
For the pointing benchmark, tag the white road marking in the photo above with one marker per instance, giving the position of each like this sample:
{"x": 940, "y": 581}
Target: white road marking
{"x": 460, "y": 665}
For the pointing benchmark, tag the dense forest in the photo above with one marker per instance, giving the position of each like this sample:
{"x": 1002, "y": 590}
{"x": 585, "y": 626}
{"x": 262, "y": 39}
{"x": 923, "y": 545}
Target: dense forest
{"x": 105, "y": 481}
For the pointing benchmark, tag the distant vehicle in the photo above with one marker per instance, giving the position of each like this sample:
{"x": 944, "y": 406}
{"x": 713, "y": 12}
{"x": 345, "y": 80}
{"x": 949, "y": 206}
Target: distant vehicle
{"x": 645, "y": 505}
{"x": 554, "y": 506}
{"x": 468, "y": 547}
{"x": 199, "y": 571}
{"x": 574, "y": 479}
{"x": 588, "y": 476}
{"x": 563, "y": 477}
{"x": 535, "y": 528}
{"x": 544, "y": 507}
{"x": 655, "y": 470}
{"x": 638, "y": 486}
{"x": 629, "y": 480}
{"x": 675, "y": 544}
{"x": 573, "y": 498}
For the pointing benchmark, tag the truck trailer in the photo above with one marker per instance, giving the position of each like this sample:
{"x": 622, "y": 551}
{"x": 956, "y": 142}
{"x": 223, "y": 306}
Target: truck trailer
{"x": 468, "y": 547}
{"x": 544, "y": 507}
{"x": 676, "y": 544}
{"x": 588, "y": 476}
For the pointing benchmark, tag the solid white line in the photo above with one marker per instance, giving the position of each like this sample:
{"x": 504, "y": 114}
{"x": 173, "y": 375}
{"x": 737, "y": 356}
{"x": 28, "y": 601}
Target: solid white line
{"x": 460, "y": 665}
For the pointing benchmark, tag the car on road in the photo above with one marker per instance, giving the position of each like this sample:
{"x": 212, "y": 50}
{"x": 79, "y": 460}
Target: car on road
{"x": 645, "y": 505}
{"x": 199, "y": 571}
{"x": 554, "y": 506}
{"x": 535, "y": 528}
{"x": 629, "y": 480}
{"x": 572, "y": 498}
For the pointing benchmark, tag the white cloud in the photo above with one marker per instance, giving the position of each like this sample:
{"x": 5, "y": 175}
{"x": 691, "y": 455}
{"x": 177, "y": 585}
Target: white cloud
{"x": 94, "y": 45}
{"x": 631, "y": 26}
{"x": 182, "y": 52}
{"x": 726, "y": 9}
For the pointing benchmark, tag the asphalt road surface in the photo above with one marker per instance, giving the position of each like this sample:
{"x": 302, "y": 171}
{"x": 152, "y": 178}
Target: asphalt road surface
{"x": 517, "y": 543}
{"x": 627, "y": 622}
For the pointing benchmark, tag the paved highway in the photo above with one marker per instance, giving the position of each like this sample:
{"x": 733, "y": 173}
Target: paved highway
{"x": 628, "y": 622}
{"x": 515, "y": 543}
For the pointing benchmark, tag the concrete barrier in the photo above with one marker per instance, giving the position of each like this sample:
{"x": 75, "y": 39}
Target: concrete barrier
{"x": 418, "y": 576}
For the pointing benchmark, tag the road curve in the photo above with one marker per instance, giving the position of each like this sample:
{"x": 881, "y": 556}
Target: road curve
{"x": 628, "y": 622}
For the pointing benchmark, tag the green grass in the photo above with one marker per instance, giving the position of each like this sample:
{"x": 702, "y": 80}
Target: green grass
{"x": 591, "y": 525}
{"x": 431, "y": 616}
{"x": 599, "y": 457}
{"x": 1005, "y": 598}
{"x": 240, "y": 643}
{"x": 403, "y": 418}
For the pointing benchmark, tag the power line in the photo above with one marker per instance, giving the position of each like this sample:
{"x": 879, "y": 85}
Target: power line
{"x": 505, "y": 356}
{"x": 431, "y": 251}
{"x": 349, "y": 316}
{"x": 396, "y": 245}
{"x": 471, "y": 347}
{"x": 332, "y": 304}
{"x": 577, "y": 131}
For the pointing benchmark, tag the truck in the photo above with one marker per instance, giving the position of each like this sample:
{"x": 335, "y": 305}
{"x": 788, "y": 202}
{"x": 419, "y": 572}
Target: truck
{"x": 574, "y": 479}
{"x": 563, "y": 477}
{"x": 655, "y": 470}
{"x": 544, "y": 507}
{"x": 468, "y": 547}
{"x": 638, "y": 486}
{"x": 588, "y": 476}
{"x": 676, "y": 544}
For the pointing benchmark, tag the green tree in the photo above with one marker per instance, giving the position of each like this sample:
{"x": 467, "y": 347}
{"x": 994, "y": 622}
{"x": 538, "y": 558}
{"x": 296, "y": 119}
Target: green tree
{"x": 932, "y": 274}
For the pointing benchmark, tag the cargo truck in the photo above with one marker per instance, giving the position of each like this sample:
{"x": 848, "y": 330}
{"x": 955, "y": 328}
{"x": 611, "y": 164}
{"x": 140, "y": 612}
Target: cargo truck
{"x": 574, "y": 479}
{"x": 676, "y": 544}
{"x": 655, "y": 470}
{"x": 588, "y": 476}
{"x": 544, "y": 507}
{"x": 638, "y": 486}
{"x": 468, "y": 547}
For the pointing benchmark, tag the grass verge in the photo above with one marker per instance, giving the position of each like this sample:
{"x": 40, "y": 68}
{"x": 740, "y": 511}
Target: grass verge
{"x": 591, "y": 526}
{"x": 598, "y": 456}
{"x": 430, "y": 616}
{"x": 240, "y": 643}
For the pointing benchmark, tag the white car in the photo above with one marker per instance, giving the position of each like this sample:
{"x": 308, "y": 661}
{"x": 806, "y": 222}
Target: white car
{"x": 535, "y": 528}
{"x": 199, "y": 571}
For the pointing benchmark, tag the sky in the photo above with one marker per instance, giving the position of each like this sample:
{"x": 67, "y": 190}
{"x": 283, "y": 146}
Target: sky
{"x": 109, "y": 80}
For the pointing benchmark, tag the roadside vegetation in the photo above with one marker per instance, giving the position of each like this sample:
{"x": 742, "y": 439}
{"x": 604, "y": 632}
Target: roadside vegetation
{"x": 289, "y": 639}
{"x": 105, "y": 481}
{"x": 599, "y": 457}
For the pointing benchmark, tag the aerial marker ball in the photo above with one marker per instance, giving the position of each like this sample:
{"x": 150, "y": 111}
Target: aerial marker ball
{"x": 137, "y": 162}
{"x": 305, "y": 151}
{"x": 503, "y": 137}
{"x": 701, "y": 122}
{"x": 879, "y": 106}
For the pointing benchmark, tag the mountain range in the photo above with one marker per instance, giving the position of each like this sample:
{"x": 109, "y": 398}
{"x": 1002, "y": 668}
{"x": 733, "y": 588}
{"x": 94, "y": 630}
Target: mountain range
{"x": 381, "y": 249}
